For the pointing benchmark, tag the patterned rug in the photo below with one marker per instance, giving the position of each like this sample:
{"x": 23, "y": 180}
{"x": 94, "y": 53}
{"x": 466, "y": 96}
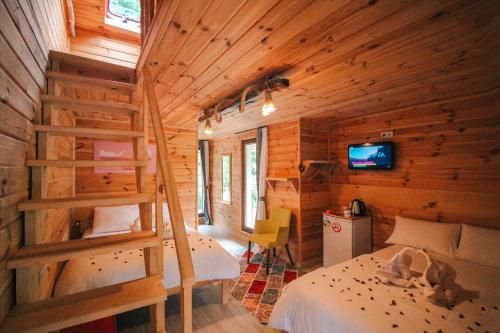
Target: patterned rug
{"x": 258, "y": 292}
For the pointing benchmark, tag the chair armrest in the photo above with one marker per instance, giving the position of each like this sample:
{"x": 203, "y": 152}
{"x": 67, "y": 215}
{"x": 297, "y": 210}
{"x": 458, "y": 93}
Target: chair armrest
{"x": 260, "y": 227}
{"x": 282, "y": 235}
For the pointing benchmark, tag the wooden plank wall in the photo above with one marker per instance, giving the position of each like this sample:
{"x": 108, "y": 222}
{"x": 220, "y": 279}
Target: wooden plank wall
{"x": 446, "y": 164}
{"x": 283, "y": 161}
{"x": 314, "y": 193}
{"x": 228, "y": 216}
{"x": 50, "y": 15}
{"x": 95, "y": 46}
{"x": 183, "y": 149}
{"x": 24, "y": 46}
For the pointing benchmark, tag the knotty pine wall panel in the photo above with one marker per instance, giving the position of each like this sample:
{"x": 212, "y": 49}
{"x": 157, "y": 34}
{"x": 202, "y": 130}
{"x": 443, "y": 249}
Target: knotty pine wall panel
{"x": 283, "y": 161}
{"x": 228, "y": 216}
{"x": 182, "y": 145}
{"x": 314, "y": 193}
{"x": 51, "y": 18}
{"x": 446, "y": 164}
{"x": 24, "y": 46}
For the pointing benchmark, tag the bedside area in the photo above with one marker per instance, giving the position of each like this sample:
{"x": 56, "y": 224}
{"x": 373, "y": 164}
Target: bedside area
{"x": 345, "y": 238}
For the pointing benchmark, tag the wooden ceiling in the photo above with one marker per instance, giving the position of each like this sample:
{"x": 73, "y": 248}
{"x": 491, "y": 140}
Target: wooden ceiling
{"x": 89, "y": 15}
{"x": 343, "y": 58}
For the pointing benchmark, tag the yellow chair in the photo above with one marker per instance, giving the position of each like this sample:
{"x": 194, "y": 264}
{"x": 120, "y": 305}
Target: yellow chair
{"x": 271, "y": 233}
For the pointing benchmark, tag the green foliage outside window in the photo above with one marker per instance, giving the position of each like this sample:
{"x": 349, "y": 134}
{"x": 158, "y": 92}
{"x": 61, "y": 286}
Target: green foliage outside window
{"x": 130, "y": 9}
{"x": 253, "y": 172}
{"x": 226, "y": 178}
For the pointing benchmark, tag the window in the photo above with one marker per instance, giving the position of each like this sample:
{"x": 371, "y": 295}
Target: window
{"x": 250, "y": 194}
{"x": 226, "y": 178}
{"x": 201, "y": 190}
{"x": 125, "y": 14}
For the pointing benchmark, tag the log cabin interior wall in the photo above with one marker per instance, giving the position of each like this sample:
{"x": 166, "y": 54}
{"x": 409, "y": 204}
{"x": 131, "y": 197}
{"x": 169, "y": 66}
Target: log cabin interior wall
{"x": 27, "y": 31}
{"x": 50, "y": 16}
{"x": 182, "y": 145}
{"x": 289, "y": 142}
{"x": 446, "y": 166}
{"x": 314, "y": 192}
{"x": 283, "y": 147}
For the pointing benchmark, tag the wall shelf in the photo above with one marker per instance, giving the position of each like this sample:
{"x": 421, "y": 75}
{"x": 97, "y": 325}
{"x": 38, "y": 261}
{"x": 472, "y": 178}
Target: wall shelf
{"x": 316, "y": 169}
{"x": 272, "y": 180}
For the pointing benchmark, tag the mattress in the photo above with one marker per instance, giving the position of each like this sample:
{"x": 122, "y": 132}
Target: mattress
{"x": 349, "y": 298}
{"x": 210, "y": 261}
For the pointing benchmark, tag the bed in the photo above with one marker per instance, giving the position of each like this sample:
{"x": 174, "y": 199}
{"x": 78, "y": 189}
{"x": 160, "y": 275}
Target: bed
{"x": 349, "y": 297}
{"x": 210, "y": 261}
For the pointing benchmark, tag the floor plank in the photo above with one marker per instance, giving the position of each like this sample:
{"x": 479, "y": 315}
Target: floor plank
{"x": 209, "y": 315}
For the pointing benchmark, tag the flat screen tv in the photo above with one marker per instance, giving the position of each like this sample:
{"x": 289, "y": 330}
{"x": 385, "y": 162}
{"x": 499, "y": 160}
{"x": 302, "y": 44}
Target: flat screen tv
{"x": 371, "y": 156}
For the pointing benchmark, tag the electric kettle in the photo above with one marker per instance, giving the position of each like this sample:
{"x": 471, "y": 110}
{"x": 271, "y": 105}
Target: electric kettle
{"x": 358, "y": 208}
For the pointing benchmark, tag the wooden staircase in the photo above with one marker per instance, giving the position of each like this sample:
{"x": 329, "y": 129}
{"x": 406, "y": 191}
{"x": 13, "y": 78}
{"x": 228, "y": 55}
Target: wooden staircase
{"x": 34, "y": 315}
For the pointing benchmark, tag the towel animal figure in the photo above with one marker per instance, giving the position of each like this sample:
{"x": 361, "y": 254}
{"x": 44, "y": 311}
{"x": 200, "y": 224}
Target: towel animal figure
{"x": 437, "y": 282}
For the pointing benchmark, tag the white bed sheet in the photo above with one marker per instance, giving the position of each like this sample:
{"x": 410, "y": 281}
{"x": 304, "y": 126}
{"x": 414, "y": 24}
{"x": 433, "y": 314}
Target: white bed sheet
{"x": 210, "y": 262}
{"x": 348, "y": 298}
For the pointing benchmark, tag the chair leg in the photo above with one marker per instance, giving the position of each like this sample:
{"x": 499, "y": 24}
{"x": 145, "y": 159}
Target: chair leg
{"x": 267, "y": 262}
{"x": 248, "y": 253}
{"x": 289, "y": 255}
{"x": 274, "y": 252}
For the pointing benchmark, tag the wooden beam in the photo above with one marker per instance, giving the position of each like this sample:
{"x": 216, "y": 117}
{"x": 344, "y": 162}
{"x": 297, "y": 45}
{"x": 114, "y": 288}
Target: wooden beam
{"x": 70, "y": 310}
{"x": 84, "y": 163}
{"x": 180, "y": 238}
{"x": 90, "y": 81}
{"x": 93, "y": 201}
{"x": 88, "y": 105}
{"x": 228, "y": 104}
{"x": 78, "y": 248}
{"x": 88, "y": 132}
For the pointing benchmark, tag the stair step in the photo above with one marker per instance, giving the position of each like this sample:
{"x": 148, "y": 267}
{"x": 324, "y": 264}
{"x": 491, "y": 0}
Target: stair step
{"x": 85, "y": 163}
{"x": 88, "y": 105}
{"x": 88, "y": 132}
{"x": 90, "y": 82}
{"x": 78, "y": 248}
{"x": 90, "y": 201}
{"x": 70, "y": 310}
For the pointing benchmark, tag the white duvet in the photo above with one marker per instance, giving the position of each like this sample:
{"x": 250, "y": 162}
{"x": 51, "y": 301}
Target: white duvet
{"x": 210, "y": 262}
{"x": 349, "y": 298}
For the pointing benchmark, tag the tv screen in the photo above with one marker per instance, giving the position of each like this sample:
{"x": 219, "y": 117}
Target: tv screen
{"x": 371, "y": 156}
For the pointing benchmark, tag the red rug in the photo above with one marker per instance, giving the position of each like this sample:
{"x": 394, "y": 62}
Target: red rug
{"x": 258, "y": 292}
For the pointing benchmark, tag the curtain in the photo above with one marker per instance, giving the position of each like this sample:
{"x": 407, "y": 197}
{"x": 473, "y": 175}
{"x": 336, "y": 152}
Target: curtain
{"x": 261, "y": 171}
{"x": 204, "y": 155}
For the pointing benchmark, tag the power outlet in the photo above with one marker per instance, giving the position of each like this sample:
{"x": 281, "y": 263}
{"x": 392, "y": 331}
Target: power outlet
{"x": 386, "y": 135}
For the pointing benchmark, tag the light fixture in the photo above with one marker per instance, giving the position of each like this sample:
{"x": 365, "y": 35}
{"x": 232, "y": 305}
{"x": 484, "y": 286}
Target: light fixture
{"x": 268, "y": 106}
{"x": 208, "y": 128}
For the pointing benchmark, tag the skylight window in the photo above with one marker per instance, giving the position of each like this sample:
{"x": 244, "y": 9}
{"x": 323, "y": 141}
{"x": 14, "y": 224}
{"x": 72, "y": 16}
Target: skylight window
{"x": 125, "y": 14}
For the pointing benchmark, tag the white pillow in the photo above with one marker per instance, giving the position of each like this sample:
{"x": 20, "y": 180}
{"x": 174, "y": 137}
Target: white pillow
{"x": 111, "y": 219}
{"x": 479, "y": 245}
{"x": 441, "y": 238}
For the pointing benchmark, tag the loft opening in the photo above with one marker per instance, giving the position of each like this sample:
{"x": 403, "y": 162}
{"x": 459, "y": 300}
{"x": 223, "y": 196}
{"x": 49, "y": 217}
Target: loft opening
{"x": 124, "y": 14}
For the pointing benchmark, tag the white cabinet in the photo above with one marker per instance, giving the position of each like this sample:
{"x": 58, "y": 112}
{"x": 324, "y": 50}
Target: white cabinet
{"x": 345, "y": 238}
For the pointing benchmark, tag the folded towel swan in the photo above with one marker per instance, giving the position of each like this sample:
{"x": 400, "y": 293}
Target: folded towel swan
{"x": 437, "y": 282}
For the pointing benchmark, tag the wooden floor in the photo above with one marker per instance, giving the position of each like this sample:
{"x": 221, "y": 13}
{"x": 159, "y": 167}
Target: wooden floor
{"x": 209, "y": 315}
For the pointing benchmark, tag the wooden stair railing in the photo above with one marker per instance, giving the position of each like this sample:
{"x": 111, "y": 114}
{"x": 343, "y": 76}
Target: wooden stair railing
{"x": 167, "y": 178}
{"x": 35, "y": 313}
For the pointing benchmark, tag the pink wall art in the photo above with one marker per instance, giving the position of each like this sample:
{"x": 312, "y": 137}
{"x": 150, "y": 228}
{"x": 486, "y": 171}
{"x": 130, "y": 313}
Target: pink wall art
{"x": 121, "y": 151}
